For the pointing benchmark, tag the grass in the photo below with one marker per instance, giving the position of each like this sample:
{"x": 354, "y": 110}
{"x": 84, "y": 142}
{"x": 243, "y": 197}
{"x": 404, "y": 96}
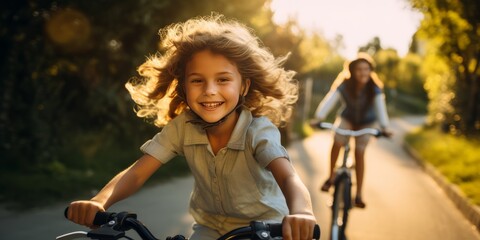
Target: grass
{"x": 457, "y": 158}
{"x": 36, "y": 188}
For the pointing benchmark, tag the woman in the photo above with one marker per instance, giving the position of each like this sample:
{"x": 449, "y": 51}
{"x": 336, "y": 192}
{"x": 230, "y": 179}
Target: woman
{"x": 363, "y": 103}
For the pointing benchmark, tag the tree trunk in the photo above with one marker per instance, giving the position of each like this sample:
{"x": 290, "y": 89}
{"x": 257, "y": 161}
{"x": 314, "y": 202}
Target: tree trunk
{"x": 472, "y": 110}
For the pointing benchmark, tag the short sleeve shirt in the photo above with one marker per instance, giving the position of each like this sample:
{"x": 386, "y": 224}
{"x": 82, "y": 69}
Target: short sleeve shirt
{"x": 233, "y": 187}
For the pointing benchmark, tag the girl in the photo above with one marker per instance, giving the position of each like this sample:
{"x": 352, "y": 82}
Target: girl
{"x": 360, "y": 91}
{"x": 218, "y": 95}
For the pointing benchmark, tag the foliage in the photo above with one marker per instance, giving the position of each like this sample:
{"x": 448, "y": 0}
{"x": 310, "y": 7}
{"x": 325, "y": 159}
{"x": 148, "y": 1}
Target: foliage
{"x": 410, "y": 80}
{"x": 450, "y": 30}
{"x": 372, "y": 47}
{"x": 439, "y": 84}
{"x": 457, "y": 158}
{"x": 402, "y": 79}
{"x": 403, "y": 82}
{"x": 317, "y": 51}
{"x": 323, "y": 79}
{"x": 387, "y": 61}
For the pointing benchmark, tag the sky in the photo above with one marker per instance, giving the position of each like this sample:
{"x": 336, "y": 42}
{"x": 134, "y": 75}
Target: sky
{"x": 358, "y": 21}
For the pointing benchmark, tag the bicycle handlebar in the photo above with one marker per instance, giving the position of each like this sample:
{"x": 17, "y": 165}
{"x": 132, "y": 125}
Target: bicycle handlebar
{"x": 347, "y": 132}
{"x": 113, "y": 226}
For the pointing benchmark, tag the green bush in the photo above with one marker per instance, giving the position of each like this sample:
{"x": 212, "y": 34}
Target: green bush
{"x": 456, "y": 157}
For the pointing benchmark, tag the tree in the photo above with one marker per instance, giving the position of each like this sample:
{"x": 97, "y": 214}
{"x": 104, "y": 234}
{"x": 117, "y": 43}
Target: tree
{"x": 402, "y": 78}
{"x": 410, "y": 79}
{"x": 450, "y": 30}
{"x": 387, "y": 62}
{"x": 372, "y": 47}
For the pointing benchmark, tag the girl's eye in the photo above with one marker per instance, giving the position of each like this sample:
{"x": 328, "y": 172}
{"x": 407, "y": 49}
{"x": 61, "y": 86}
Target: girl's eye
{"x": 223, "y": 79}
{"x": 196, "y": 80}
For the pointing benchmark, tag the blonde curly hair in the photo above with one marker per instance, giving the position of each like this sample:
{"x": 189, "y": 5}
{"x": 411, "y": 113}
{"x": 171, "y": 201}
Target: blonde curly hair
{"x": 159, "y": 94}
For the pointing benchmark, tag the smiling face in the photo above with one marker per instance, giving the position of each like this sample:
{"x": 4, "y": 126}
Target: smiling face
{"x": 361, "y": 72}
{"x": 212, "y": 85}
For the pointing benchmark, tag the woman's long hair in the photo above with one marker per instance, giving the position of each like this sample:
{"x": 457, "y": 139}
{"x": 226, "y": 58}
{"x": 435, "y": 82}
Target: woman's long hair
{"x": 347, "y": 77}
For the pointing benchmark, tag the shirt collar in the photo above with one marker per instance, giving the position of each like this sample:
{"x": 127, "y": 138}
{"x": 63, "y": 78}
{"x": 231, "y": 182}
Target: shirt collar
{"x": 195, "y": 135}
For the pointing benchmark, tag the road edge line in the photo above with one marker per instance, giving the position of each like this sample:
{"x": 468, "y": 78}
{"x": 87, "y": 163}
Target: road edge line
{"x": 470, "y": 211}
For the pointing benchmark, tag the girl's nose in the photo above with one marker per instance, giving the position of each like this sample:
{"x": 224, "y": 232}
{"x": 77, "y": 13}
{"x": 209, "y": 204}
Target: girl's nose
{"x": 210, "y": 88}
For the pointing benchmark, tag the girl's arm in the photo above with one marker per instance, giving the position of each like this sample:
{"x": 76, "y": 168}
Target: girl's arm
{"x": 120, "y": 187}
{"x": 299, "y": 224}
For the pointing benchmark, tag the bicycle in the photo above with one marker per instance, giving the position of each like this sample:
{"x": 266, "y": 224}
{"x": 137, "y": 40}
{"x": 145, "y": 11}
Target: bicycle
{"x": 114, "y": 225}
{"x": 342, "y": 194}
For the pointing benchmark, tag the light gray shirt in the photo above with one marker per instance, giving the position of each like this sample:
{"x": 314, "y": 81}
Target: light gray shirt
{"x": 233, "y": 187}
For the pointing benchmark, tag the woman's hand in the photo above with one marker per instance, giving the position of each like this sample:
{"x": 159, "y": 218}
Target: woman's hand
{"x": 298, "y": 226}
{"x": 83, "y": 212}
{"x": 314, "y": 123}
{"x": 387, "y": 132}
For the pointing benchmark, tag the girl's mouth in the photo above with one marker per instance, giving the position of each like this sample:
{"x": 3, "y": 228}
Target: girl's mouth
{"x": 211, "y": 105}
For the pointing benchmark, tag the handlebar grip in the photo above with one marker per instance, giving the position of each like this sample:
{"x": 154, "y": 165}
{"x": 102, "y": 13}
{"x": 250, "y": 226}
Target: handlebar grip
{"x": 100, "y": 217}
{"x": 276, "y": 230}
{"x": 382, "y": 133}
{"x": 316, "y": 232}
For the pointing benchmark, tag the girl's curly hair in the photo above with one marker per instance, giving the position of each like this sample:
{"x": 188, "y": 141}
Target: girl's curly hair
{"x": 159, "y": 94}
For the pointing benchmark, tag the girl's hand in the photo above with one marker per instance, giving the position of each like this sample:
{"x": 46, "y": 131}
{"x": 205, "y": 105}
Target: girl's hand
{"x": 83, "y": 212}
{"x": 298, "y": 227}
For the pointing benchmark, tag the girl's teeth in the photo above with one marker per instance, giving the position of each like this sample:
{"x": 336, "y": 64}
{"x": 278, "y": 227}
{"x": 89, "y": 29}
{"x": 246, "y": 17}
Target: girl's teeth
{"x": 211, "y": 104}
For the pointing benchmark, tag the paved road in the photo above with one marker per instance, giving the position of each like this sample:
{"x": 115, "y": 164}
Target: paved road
{"x": 403, "y": 202}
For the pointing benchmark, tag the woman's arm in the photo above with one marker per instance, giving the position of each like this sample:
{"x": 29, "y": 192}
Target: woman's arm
{"x": 120, "y": 187}
{"x": 327, "y": 104}
{"x": 299, "y": 224}
{"x": 382, "y": 116}
{"x": 381, "y": 110}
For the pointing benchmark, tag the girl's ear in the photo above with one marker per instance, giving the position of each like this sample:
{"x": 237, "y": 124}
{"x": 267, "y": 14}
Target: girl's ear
{"x": 246, "y": 87}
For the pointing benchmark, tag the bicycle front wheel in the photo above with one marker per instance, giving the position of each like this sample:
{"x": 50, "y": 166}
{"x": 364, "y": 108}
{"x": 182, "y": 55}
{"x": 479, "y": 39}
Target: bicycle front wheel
{"x": 340, "y": 207}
